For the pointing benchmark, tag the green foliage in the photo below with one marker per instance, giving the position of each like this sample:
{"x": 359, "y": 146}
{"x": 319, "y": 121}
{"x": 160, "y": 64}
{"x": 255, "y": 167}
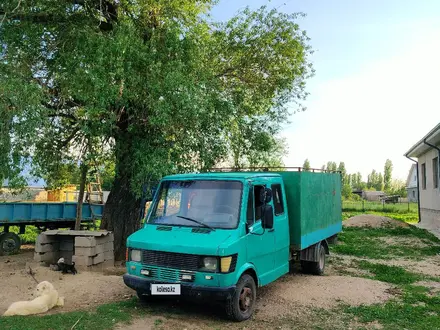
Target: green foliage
{"x": 346, "y": 191}
{"x": 342, "y": 169}
{"x": 61, "y": 175}
{"x": 411, "y": 217}
{"x": 375, "y": 181}
{"x": 306, "y": 165}
{"x": 28, "y": 237}
{"x": 369, "y": 243}
{"x": 153, "y": 86}
{"x": 331, "y": 166}
{"x": 398, "y": 187}
{"x": 368, "y": 206}
{"x": 387, "y": 176}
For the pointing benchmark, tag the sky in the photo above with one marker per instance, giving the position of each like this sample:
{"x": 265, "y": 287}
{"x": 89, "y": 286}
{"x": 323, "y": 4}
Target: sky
{"x": 375, "y": 92}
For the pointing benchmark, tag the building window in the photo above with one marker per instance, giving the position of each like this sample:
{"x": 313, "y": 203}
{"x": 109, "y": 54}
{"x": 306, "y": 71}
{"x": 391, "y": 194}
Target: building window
{"x": 423, "y": 176}
{"x": 277, "y": 199}
{"x": 435, "y": 172}
{"x": 414, "y": 194}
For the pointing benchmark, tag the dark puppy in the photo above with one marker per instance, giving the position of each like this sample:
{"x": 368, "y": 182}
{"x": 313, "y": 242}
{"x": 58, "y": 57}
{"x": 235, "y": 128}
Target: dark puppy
{"x": 66, "y": 268}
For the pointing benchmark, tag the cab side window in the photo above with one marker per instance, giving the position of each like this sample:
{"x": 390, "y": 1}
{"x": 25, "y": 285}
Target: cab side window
{"x": 258, "y": 205}
{"x": 277, "y": 199}
{"x": 250, "y": 208}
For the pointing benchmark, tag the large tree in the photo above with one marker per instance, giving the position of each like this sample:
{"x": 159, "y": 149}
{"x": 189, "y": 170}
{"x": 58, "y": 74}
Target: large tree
{"x": 152, "y": 84}
{"x": 387, "y": 175}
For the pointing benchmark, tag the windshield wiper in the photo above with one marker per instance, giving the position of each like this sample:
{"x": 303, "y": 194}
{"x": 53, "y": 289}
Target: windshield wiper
{"x": 196, "y": 221}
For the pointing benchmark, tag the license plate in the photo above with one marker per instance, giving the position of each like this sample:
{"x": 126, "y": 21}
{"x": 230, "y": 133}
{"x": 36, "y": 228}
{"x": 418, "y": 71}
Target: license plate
{"x": 165, "y": 289}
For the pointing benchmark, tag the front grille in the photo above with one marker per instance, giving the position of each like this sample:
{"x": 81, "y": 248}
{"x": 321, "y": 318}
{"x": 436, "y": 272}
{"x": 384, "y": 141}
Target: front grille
{"x": 233, "y": 263}
{"x": 167, "y": 275}
{"x": 181, "y": 261}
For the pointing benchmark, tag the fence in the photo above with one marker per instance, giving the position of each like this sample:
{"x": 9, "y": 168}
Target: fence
{"x": 363, "y": 205}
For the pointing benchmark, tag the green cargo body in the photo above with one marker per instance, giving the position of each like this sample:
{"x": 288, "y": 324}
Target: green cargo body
{"x": 314, "y": 201}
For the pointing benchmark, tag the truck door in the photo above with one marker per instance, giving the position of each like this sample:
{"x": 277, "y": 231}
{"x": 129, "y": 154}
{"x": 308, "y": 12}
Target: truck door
{"x": 260, "y": 242}
{"x": 280, "y": 226}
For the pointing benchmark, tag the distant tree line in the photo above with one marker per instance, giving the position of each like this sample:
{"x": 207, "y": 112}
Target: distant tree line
{"x": 376, "y": 181}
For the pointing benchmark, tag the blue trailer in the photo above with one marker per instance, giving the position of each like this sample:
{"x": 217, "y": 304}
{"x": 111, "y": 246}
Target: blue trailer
{"x": 44, "y": 215}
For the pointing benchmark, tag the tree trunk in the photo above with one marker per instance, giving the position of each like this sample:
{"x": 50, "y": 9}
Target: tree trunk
{"x": 79, "y": 206}
{"x": 121, "y": 213}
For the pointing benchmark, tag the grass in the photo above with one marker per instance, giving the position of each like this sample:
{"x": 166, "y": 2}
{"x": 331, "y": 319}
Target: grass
{"x": 105, "y": 317}
{"x": 411, "y": 218}
{"x": 369, "y": 243}
{"x": 414, "y": 309}
{"x": 389, "y": 274}
{"x": 364, "y": 206}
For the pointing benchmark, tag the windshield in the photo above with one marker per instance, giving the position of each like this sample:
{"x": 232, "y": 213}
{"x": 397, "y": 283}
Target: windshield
{"x": 213, "y": 204}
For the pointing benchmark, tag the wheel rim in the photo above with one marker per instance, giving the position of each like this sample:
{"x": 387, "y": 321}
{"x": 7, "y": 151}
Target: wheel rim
{"x": 322, "y": 259}
{"x": 8, "y": 245}
{"x": 246, "y": 299}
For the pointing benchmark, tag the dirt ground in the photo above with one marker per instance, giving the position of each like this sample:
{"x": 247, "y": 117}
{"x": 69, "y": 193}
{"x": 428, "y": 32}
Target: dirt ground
{"x": 81, "y": 291}
{"x": 300, "y": 299}
{"x": 373, "y": 221}
{"x": 292, "y": 294}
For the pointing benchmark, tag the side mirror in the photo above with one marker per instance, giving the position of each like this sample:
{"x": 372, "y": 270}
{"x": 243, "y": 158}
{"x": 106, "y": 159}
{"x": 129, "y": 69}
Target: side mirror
{"x": 268, "y": 217}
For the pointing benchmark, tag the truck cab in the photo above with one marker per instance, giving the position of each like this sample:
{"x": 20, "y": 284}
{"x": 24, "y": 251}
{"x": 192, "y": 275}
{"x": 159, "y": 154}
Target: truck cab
{"x": 214, "y": 236}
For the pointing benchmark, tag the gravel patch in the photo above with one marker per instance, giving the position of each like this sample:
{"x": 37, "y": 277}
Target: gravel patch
{"x": 373, "y": 221}
{"x": 84, "y": 290}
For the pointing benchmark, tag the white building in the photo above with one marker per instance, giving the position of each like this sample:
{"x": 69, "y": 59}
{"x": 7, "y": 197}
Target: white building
{"x": 426, "y": 154}
{"x": 411, "y": 184}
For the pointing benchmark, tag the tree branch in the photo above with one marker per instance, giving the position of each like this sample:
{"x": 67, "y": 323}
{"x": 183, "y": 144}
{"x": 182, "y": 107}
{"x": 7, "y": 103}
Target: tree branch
{"x": 107, "y": 9}
{"x": 226, "y": 72}
{"x": 4, "y": 13}
{"x": 69, "y": 138}
{"x": 64, "y": 115}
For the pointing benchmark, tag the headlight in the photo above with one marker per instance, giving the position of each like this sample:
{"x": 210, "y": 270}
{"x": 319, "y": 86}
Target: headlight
{"x": 209, "y": 264}
{"x": 135, "y": 255}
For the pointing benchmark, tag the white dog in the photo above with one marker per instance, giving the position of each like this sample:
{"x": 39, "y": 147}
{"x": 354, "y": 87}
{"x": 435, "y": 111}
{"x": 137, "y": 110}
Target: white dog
{"x": 47, "y": 298}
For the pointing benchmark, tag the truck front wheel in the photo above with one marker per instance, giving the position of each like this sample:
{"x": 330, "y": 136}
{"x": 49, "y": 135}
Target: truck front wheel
{"x": 315, "y": 267}
{"x": 242, "y": 305}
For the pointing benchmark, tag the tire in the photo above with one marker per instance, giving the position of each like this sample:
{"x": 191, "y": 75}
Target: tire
{"x": 315, "y": 267}
{"x": 9, "y": 244}
{"x": 242, "y": 304}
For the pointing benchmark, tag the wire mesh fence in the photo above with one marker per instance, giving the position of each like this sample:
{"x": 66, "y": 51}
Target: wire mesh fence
{"x": 380, "y": 206}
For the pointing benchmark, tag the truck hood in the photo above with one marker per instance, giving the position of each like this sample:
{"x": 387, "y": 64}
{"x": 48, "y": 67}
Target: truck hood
{"x": 179, "y": 239}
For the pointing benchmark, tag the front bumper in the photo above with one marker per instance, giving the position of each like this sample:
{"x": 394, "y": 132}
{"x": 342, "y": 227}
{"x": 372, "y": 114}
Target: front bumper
{"x": 188, "y": 290}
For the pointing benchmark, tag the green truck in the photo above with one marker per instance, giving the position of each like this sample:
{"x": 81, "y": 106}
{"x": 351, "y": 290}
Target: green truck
{"x": 219, "y": 236}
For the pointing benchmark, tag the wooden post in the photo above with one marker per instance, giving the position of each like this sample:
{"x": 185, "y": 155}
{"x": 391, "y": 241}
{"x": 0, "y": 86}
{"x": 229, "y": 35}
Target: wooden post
{"x": 82, "y": 186}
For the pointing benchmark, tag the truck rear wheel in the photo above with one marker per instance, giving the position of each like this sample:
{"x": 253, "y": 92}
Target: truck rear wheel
{"x": 315, "y": 267}
{"x": 9, "y": 243}
{"x": 242, "y": 305}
